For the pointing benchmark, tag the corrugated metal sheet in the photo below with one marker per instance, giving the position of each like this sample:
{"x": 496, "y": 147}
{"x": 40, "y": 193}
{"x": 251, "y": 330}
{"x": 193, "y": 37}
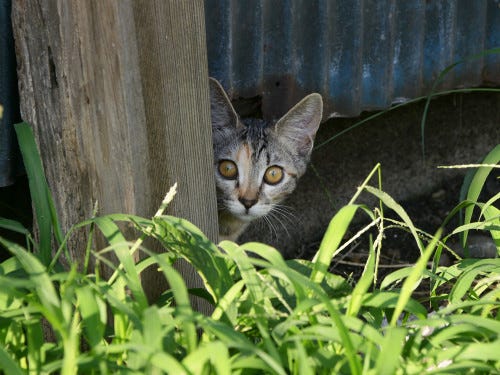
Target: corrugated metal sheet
{"x": 359, "y": 54}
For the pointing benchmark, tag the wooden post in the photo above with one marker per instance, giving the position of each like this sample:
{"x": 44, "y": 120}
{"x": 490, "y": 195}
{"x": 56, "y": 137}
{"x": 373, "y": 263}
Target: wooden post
{"x": 117, "y": 93}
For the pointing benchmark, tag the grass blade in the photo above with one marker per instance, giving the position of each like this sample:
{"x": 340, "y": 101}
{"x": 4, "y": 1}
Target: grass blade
{"x": 334, "y": 234}
{"x": 464, "y": 282}
{"x": 393, "y": 343}
{"x": 44, "y": 287}
{"x": 413, "y": 279}
{"x": 215, "y": 353}
{"x": 13, "y": 226}
{"x": 7, "y": 364}
{"x": 167, "y": 363}
{"x": 363, "y": 285}
{"x": 302, "y": 360}
{"x": 393, "y": 205}
{"x": 386, "y": 300}
{"x": 491, "y": 214}
{"x": 10, "y": 265}
{"x": 93, "y": 312}
{"x": 183, "y": 304}
{"x": 247, "y": 271}
{"x": 236, "y": 340}
{"x": 40, "y": 195}
{"x": 122, "y": 250}
{"x": 187, "y": 240}
{"x": 34, "y": 337}
{"x": 481, "y": 351}
{"x": 474, "y": 187}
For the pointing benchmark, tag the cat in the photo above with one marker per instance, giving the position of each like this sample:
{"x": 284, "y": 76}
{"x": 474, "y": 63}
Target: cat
{"x": 257, "y": 163}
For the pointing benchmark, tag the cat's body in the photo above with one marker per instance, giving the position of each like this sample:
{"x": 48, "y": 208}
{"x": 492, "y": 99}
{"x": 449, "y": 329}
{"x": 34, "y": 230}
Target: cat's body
{"x": 257, "y": 164}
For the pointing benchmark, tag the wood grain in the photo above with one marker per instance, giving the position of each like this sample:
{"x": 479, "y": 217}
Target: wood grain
{"x": 117, "y": 94}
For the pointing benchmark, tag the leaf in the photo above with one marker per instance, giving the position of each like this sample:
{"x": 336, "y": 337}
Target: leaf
{"x": 214, "y": 353}
{"x": 10, "y": 265}
{"x": 236, "y": 340}
{"x": 183, "y": 304}
{"x": 398, "y": 276}
{"x": 454, "y": 333}
{"x": 226, "y": 303}
{"x": 34, "y": 337}
{"x": 167, "y": 363}
{"x": 334, "y": 316}
{"x": 388, "y": 300}
{"x": 257, "y": 288}
{"x": 474, "y": 187}
{"x": 362, "y": 285}
{"x": 248, "y": 272}
{"x": 393, "y": 343}
{"x": 481, "y": 351}
{"x": 468, "y": 276}
{"x": 331, "y": 240}
{"x": 492, "y": 215}
{"x": 187, "y": 240}
{"x": 44, "y": 287}
{"x": 7, "y": 364}
{"x": 393, "y": 205}
{"x": 152, "y": 328}
{"x": 14, "y": 226}
{"x": 93, "y": 312}
{"x": 335, "y": 286}
{"x": 120, "y": 246}
{"x": 43, "y": 204}
{"x": 414, "y": 278}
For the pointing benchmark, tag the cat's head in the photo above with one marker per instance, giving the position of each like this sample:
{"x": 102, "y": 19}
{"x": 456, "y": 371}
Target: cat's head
{"x": 257, "y": 164}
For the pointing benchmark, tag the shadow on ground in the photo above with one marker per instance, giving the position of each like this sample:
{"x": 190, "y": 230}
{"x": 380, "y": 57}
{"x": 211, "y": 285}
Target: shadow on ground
{"x": 460, "y": 129}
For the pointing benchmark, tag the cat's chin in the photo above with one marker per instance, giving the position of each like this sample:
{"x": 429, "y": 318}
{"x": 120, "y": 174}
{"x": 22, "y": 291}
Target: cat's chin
{"x": 254, "y": 213}
{"x": 247, "y": 218}
{"x": 242, "y": 215}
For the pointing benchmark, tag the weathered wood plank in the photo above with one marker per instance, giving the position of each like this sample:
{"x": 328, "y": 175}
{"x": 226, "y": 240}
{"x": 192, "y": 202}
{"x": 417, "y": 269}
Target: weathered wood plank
{"x": 118, "y": 97}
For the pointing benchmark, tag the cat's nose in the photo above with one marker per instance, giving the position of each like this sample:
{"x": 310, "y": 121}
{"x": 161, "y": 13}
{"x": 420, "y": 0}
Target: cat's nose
{"x": 247, "y": 202}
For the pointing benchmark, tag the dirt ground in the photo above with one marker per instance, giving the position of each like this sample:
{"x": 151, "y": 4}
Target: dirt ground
{"x": 460, "y": 129}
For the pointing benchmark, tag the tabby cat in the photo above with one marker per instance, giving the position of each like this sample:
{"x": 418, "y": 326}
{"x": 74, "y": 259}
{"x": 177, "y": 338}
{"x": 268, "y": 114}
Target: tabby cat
{"x": 258, "y": 163}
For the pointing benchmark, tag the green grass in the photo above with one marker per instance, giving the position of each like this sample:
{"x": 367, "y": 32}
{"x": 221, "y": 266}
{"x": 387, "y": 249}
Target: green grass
{"x": 270, "y": 315}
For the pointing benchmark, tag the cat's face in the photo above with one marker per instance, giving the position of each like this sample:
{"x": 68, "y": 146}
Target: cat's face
{"x": 254, "y": 171}
{"x": 257, "y": 164}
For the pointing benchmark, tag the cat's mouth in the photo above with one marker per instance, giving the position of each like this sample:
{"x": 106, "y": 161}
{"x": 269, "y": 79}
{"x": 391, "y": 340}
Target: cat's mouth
{"x": 248, "y": 214}
{"x": 247, "y": 217}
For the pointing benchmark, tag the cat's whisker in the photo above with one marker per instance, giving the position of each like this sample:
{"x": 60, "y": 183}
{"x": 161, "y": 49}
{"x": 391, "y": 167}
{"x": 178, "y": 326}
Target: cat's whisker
{"x": 271, "y": 226}
{"x": 286, "y": 213}
{"x": 283, "y": 221}
{"x": 274, "y": 215}
{"x": 257, "y": 162}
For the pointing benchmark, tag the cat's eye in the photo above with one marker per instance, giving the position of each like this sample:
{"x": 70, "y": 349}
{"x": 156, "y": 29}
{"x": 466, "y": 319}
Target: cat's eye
{"x": 273, "y": 175}
{"x": 228, "y": 169}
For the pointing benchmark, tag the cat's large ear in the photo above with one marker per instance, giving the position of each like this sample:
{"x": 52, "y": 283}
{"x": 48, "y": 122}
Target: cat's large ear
{"x": 299, "y": 126}
{"x": 222, "y": 112}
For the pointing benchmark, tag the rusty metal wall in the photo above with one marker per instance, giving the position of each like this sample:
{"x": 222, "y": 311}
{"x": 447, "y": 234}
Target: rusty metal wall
{"x": 359, "y": 54}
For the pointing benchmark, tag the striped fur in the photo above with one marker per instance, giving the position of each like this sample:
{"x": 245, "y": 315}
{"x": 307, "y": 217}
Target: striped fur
{"x": 254, "y": 145}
